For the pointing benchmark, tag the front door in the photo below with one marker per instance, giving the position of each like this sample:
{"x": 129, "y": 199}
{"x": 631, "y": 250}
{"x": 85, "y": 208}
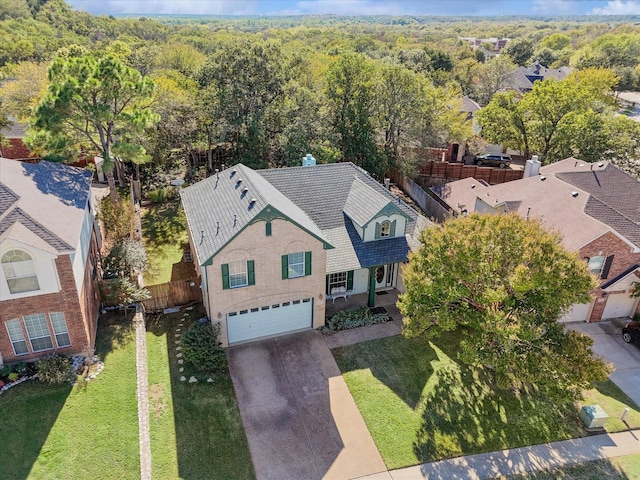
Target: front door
{"x": 385, "y": 275}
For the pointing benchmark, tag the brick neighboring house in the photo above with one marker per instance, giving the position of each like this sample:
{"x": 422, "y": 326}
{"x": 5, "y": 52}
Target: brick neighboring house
{"x": 49, "y": 255}
{"x": 272, "y": 246}
{"x": 596, "y": 209}
{"x": 14, "y": 148}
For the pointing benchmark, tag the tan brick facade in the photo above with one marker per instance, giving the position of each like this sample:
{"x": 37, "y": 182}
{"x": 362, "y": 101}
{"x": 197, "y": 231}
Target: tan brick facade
{"x": 624, "y": 257}
{"x": 80, "y": 311}
{"x": 266, "y": 251}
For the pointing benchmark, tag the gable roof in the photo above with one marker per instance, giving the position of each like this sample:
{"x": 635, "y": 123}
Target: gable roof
{"x": 49, "y": 199}
{"x": 364, "y": 204}
{"x": 324, "y": 192}
{"x": 221, "y": 206}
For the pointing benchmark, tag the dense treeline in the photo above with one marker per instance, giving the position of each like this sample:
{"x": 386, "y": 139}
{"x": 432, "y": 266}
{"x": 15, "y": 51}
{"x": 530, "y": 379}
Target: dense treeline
{"x": 266, "y": 91}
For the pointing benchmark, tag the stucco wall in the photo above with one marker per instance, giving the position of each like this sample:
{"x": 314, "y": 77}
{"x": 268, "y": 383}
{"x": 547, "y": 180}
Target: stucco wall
{"x": 266, "y": 251}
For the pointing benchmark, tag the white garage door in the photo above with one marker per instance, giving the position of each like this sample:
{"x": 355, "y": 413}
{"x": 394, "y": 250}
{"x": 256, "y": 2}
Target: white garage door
{"x": 620, "y": 305}
{"x": 269, "y": 320}
{"x": 578, "y": 313}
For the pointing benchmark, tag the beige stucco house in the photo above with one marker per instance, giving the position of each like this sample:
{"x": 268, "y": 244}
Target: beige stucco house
{"x": 273, "y": 246}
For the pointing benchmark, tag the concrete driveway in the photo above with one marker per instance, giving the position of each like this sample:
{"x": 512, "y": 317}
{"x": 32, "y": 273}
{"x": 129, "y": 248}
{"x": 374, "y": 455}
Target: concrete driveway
{"x": 300, "y": 418}
{"x": 608, "y": 343}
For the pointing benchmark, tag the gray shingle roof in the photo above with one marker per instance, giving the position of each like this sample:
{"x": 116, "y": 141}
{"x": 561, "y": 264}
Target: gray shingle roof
{"x": 615, "y": 198}
{"x": 322, "y": 191}
{"x": 18, "y": 216}
{"x": 7, "y": 198}
{"x": 47, "y": 198}
{"x": 219, "y": 207}
{"x": 363, "y": 203}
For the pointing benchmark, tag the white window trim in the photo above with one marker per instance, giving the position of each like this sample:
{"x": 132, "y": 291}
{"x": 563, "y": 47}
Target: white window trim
{"x": 597, "y": 267}
{"x": 30, "y": 261}
{"x": 385, "y": 229}
{"x": 13, "y": 342}
{"x": 60, "y": 317}
{"x": 299, "y": 264}
{"x": 31, "y": 339}
{"x": 238, "y": 270}
{"x": 336, "y": 280}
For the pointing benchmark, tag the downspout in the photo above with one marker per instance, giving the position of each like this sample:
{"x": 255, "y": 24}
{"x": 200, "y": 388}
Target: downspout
{"x": 372, "y": 287}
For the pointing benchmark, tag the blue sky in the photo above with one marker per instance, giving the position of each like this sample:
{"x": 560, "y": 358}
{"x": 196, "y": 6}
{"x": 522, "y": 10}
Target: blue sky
{"x": 361, "y": 7}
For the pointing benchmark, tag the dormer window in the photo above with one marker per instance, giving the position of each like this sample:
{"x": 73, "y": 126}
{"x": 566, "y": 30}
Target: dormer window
{"x": 20, "y": 271}
{"x": 385, "y": 229}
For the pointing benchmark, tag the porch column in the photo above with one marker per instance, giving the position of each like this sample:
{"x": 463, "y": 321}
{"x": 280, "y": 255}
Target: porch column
{"x": 372, "y": 287}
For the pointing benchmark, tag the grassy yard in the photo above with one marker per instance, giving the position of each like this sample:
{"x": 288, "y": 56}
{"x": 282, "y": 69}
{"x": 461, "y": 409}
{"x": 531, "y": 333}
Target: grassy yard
{"x": 164, "y": 232}
{"x": 422, "y": 405}
{"x": 76, "y": 432}
{"x": 620, "y": 468}
{"x": 196, "y": 430}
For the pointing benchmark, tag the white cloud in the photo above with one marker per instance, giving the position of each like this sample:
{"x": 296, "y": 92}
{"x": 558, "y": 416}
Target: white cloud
{"x": 618, "y": 7}
{"x": 557, "y": 7}
{"x": 175, "y": 7}
{"x": 355, "y": 7}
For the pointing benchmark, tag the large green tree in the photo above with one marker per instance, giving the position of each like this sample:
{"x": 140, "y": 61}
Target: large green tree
{"x": 558, "y": 119}
{"x": 94, "y": 104}
{"x": 351, "y": 83}
{"x": 505, "y": 280}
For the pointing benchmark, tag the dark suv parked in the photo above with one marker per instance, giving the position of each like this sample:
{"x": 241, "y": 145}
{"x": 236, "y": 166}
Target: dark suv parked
{"x": 631, "y": 332}
{"x": 501, "y": 160}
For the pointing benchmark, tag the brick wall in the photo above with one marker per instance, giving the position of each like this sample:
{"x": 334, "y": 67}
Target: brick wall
{"x": 623, "y": 258}
{"x": 80, "y": 316}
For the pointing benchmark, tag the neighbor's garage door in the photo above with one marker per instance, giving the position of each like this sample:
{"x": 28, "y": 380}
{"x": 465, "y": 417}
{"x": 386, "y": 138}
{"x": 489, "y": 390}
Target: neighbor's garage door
{"x": 578, "y": 313}
{"x": 269, "y": 320}
{"x": 619, "y": 305}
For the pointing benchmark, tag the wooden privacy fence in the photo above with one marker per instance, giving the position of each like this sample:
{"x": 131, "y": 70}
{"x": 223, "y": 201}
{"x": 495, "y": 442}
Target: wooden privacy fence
{"x": 172, "y": 294}
{"x": 457, "y": 171}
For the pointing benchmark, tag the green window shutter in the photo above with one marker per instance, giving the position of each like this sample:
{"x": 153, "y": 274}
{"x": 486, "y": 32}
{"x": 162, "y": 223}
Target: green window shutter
{"x": 307, "y": 263}
{"x": 285, "y": 267}
{"x": 377, "y": 230}
{"x": 268, "y": 229}
{"x": 251, "y": 273}
{"x": 225, "y": 276}
{"x": 392, "y": 232}
{"x": 327, "y": 287}
{"x": 350, "y": 280}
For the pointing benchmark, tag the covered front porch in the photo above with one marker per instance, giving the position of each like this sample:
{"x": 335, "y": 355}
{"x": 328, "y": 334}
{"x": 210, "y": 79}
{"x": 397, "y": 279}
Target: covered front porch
{"x": 383, "y": 298}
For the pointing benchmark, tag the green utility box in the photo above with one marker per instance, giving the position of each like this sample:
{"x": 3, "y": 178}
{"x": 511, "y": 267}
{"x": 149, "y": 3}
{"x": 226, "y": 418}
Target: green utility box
{"x": 593, "y": 417}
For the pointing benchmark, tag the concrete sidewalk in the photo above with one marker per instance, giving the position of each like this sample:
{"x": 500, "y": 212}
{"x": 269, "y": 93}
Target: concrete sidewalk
{"x": 521, "y": 460}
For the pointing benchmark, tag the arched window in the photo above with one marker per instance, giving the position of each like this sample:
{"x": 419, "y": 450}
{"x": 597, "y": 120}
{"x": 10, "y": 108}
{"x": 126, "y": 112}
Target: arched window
{"x": 385, "y": 229}
{"x": 20, "y": 271}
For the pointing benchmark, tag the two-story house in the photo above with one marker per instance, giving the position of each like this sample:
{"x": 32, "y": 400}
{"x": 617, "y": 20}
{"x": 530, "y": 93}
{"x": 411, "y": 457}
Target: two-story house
{"x": 271, "y": 246}
{"x": 596, "y": 209}
{"x": 49, "y": 257}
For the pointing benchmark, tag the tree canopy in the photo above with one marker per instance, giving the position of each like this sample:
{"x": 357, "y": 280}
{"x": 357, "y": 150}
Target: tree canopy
{"x": 506, "y": 281}
{"x": 93, "y": 103}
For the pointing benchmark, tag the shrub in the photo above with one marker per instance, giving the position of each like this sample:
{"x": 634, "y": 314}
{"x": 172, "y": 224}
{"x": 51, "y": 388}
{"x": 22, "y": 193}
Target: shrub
{"x": 161, "y": 194}
{"x": 55, "y": 369}
{"x": 13, "y": 376}
{"x": 118, "y": 219}
{"x": 348, "y": 319}
{"x": 201, "y": 348}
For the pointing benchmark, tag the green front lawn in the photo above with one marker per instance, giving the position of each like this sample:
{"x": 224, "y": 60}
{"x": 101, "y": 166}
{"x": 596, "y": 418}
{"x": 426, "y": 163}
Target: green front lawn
{"x": 196, "y": 430}
{"x": 420, "y": 404}
{"x": 76, "y": 432}
{"x": 164, "y": 233}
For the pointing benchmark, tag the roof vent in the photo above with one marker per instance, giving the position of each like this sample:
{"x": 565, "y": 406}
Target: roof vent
{"x": 473, "y": 185}
{"x": 245, "y": 190}
{"x": 233, "y": 172}
{"x": 239, "y": 181}
{"x": 600, "y": 164}
{"x": 235, "y": 220}
{"x": 574, "y": 194}
{"x": 542, "y": 178}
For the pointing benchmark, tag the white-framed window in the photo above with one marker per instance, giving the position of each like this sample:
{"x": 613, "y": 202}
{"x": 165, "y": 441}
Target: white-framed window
{"x": 20, "y": 271}
{"x": 385, "y": 229}
{"x": 296, "y": 265}
{"x": 59, "y": 324}
{"x": 16, "y": 335}
{"x": 337, "y": 280}
{"x": 238, "y": 274}
{"x": 596, "y": 264}
{"x": 38, "y": 332}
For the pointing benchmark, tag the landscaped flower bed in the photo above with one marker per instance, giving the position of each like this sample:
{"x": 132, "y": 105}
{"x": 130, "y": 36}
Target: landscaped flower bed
{"x": 348, "y": 319}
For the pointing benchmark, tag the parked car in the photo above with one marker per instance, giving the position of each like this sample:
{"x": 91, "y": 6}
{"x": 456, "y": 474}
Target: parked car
{"x": 631, "y": 332}
{"x": 501, "y": 160}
